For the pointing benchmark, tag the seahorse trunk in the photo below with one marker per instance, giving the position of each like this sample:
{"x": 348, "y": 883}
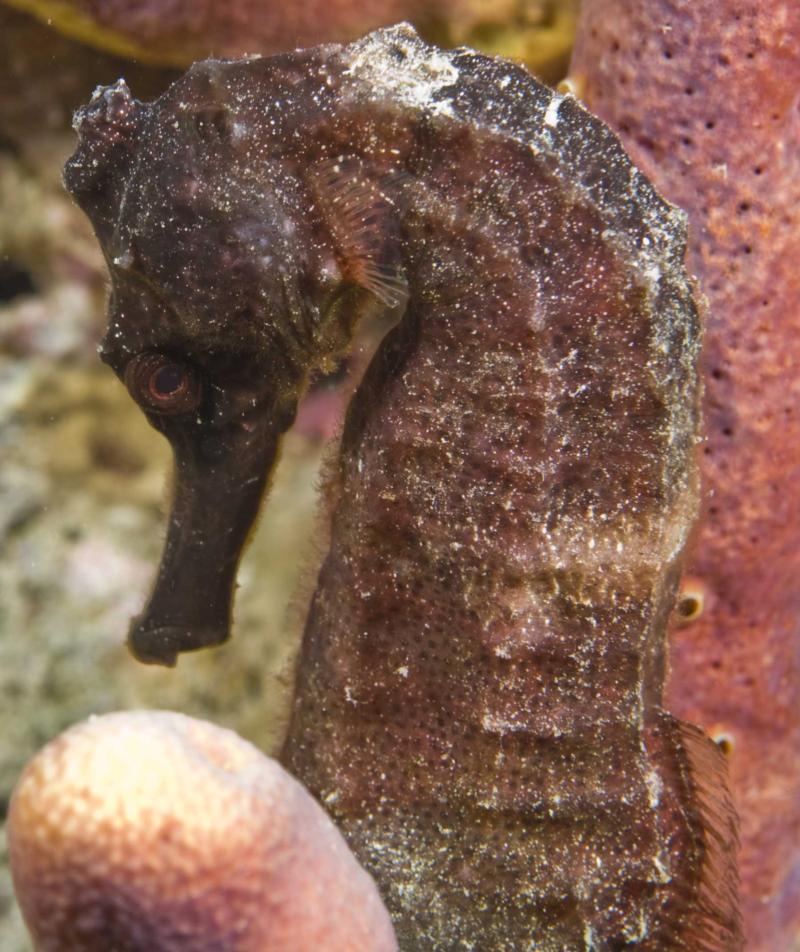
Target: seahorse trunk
{"x": 480, "y": 686}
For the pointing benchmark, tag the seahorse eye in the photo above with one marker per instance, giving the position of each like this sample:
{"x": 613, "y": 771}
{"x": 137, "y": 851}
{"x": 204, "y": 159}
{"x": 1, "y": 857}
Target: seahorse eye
{"x": 163, "y": 385}
{"x": 167, "y": 381}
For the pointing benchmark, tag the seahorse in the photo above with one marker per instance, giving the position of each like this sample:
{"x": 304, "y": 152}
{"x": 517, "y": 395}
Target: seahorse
{"x": 479, "y": 690}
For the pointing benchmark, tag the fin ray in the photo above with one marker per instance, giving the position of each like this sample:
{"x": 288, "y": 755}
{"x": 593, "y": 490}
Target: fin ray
{"x": 705, "y": 909}
{"x": 361, "y": 218}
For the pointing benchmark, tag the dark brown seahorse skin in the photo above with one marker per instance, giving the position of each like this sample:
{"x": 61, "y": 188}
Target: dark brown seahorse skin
{"x": 706, "y": 96}
{"x": 480, "y": 685}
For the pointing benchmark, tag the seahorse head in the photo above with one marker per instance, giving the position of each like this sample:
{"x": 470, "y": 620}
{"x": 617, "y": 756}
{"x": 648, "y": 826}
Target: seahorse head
{"x": 223, "y": 283}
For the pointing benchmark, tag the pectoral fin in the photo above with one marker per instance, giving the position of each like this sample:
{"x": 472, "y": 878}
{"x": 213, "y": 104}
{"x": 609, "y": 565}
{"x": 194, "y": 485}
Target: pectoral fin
{"x": 361, "y": 219}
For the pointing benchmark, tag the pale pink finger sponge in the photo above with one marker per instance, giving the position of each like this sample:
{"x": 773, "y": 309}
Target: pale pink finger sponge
{"x": 154, "y": 831}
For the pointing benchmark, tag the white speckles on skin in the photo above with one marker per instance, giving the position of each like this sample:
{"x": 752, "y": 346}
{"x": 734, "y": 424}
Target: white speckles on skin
{"x": 653, "y": 273}
{"x": 662, "y": 869}
{"x": 654, "y": 788}
{"x": 238, "y": 131}
{"x": 391, "y": 62}
{"x": 494, "y": 724}
{"x": 124, "y": 260}
{"x": 551, "y": 113}
{"x": 638, "y": 930}
{"x": 348, "y": 695}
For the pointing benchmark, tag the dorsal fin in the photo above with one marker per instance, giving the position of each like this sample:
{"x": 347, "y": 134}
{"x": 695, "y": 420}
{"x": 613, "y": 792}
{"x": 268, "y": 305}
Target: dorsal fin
{"x": 360, "y": 216}
{"x": 716, "y": 902}
{"x": 710, "y": 920}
